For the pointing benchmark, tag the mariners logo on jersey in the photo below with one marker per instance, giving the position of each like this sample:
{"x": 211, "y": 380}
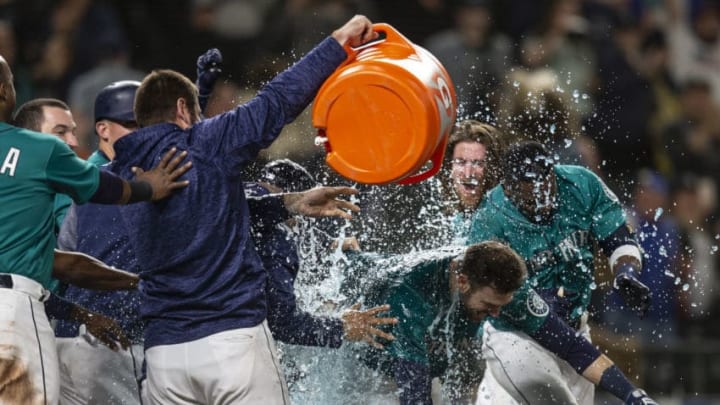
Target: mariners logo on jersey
{"x": 536, "y": 305}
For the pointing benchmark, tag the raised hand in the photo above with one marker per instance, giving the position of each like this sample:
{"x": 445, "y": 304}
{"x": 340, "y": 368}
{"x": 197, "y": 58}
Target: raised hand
{"x": 208, "y": 72}
{"x": 209, "y": 68}
{"x": 162, "y": 177}
{"x": 321, "y": 202}
{"x": 636, "y": 295}
{"x": 360, "y": 325}
{"x": 355, "y": 32}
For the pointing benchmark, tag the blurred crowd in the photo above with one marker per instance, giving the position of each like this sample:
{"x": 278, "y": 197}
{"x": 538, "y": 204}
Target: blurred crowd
{"x": 628, "y": 88}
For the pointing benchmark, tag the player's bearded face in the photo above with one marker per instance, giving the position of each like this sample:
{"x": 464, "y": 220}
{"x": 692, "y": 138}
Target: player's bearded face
{"x": 536, "y": 199}
{"x": 482, "y": 302}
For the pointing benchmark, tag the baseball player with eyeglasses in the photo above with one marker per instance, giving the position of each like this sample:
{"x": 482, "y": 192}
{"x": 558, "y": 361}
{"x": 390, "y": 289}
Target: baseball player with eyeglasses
{"x": 552, "y": 215}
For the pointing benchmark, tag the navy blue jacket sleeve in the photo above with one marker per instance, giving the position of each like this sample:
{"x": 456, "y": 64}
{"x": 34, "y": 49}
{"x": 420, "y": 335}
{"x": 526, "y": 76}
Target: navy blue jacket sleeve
{"x": 287, "y": 322}
{"x": 413, "y": 381}
{"x": 279, "y": 255}
{"x": 266, "y": 210}
{"x": 291, "y": 325}
{"x": 235, "y": 137}
{"x": 556, "y": 336}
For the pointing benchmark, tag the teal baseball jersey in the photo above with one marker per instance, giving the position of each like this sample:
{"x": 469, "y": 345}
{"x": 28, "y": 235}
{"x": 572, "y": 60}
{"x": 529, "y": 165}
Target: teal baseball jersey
{"x": 559, "y": 253}
{"x": 431, "y": 318}
{"x": 98, "y": 159}
{"x": 526, "y": 312}
{"x": 34, "y": 168}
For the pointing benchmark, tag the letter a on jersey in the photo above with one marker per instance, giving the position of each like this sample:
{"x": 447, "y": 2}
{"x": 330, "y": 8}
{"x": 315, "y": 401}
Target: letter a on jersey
{"x": 10, "y": 163}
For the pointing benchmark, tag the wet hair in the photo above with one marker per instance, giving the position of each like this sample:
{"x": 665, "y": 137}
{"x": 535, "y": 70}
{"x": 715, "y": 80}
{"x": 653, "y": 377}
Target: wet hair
{"x": 493, "y": 264}
{"x": 7, "y": 91}
{"x": 287, "y": 175}
{"x": 486, "y": 135}
{"x": 525, "y": 161}
{"x": 30, "y": 114}
{"x": 155, "y": 100}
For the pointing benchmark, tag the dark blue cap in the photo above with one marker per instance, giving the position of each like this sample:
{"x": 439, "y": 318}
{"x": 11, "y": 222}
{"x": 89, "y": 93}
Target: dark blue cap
{"x": 115, "y": 101}
{"x": 287, "y": 175}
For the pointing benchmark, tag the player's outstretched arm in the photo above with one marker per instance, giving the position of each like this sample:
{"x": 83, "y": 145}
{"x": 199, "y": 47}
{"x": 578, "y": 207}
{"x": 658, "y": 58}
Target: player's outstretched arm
{"x": 556, "y": 336}
{"x": 88, "y": 272}
{"x": 321, "y": 202}
{"x": 163, "y": 178}
{"x": 105, "y": 329}
{"x": 152, "y": 185}
{"x": 362, "y": 325}
{"x": 100, "y": 326}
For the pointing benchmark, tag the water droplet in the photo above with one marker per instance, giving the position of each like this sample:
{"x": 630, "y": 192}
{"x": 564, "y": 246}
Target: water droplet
{"x": 658, "y": 213}
{"x": 516, "y": 83}
{"x": 686, "y": 287}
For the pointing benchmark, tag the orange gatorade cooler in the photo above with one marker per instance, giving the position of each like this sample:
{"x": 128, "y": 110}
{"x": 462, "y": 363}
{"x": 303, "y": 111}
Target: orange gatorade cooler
{"x": 386, "y": 112}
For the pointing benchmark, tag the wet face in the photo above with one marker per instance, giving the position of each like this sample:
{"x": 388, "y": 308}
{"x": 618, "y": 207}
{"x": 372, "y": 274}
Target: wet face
{"x": 484, "y": 301}
{"x": 59, "y": 122}
{"x": 468, "y": 167}
{"x": 536, "y": 198}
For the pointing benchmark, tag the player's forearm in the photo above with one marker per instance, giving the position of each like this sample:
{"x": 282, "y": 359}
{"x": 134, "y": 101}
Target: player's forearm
{"x": 114, "y": 190}
{"x": 585, "y": 358}
{"x": 594, "y": 371}
{"x": 87, "y": 272}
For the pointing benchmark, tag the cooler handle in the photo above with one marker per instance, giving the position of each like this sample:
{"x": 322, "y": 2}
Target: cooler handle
{"x": 436, "y": 159}
{"x": 387, "y": 34}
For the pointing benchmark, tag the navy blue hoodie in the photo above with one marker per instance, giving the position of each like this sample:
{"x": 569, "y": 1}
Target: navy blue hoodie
{"x": 278, "y": 252}
{"x": 200, "y": 272}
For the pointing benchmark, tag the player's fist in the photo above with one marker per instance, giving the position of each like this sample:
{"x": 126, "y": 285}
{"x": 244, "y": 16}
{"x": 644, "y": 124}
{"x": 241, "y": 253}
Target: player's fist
{"x": 636, "y": 295}
{"x": 639, "y": 397}
{"x": 208, "y": 70}
{"x": 355, "y": 32}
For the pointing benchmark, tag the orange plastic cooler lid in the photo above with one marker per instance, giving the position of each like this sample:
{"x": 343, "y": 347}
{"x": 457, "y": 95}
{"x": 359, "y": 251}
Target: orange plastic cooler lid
{"x": 375, "y": 123}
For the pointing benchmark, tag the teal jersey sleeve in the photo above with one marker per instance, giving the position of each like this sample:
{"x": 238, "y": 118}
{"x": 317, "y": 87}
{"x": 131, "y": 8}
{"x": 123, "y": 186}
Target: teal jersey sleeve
{"x": 68, "y": 174}
{"x": 607, "y": 212}
{"x": 98, "y": 158}
{"x": 526, "y": 312}
{"x": 60, "y": 208}
{"x": 485, "y": 224}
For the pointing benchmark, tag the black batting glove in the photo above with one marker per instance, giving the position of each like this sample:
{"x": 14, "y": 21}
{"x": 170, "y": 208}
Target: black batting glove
{"x": 209, "y": 68}
{"x": 639, "y": 397}
{"x": 637, "y": 296}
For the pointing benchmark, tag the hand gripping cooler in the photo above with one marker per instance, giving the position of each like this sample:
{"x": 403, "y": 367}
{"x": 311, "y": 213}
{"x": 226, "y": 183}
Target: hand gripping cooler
{"x": 386, "y": 112}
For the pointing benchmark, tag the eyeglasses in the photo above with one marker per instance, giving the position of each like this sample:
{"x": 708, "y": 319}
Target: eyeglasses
{"x": 475, "y": 164}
